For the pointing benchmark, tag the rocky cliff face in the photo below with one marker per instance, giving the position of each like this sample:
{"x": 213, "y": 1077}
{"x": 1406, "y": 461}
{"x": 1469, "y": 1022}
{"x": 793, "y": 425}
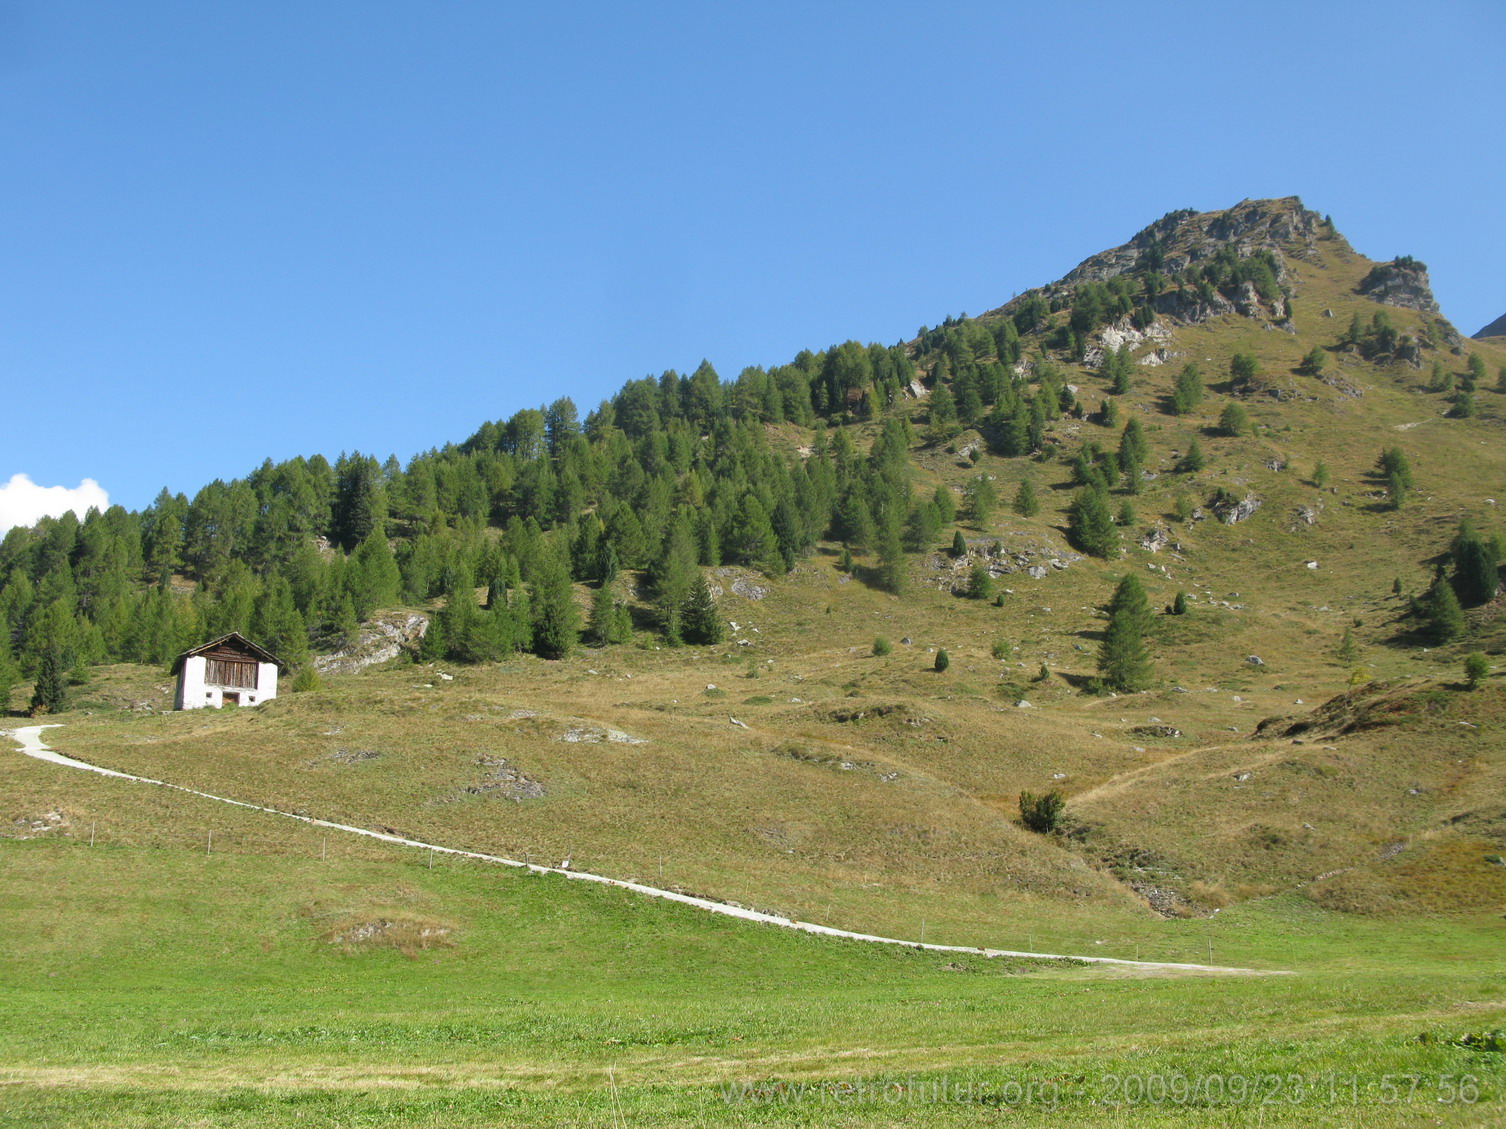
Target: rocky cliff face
{"x": 1185, "y": 238}
{"x": 1496, "y": 328}
{"x": 1402, "y": 282}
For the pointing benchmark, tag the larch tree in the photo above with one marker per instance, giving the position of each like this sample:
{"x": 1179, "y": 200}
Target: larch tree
{"x": 1090, "y": 523}
{"x": 50, "y": 694}
{"x": 1026, "y": 504}
{"x": 556, "y": 622}
{"x": 702, "y": 623}
{"x": 1123, "y": 658}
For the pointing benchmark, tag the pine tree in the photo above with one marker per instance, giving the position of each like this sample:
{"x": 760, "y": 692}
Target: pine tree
{"x": 601, "y": 624}
{"x": 1354, "y": 336}
{"x": 1233, "y": 420}
{"x": 1443, "y": 619}
{"x": 750, "y": 538}
{"x": 1475, "y": 579}
{"x": 1397, "y": 485}
{"x": 1349, "y": 652}
{"x": 1313, "y": 364}
{"x": 1476, "y": 669}
{"x": 855, "y": 520}
{"x": 373, "y": 578}
{"x": 891, "y": 555}
{"x": 431, "y": 646}
{"x": 1118, "y": 367}
{"x": 959, "y": 545}
{"x": 50, "y": 695}
{"x": 343, "y": 627}
{"x": 942, "y": 416}
{"x": 1090, "y": 525}
{"x": 1025, "y": 502}
{"x": 360, "y": 504}
{"x": 1108, "y": 413}
{"x": 607, "y": 565}
{"x": 702, "y": 624}
{"x": 981, "y": 499}
{"x": 1133, "y": 444}
{"x": 980, "y": 584}
{"x": 946, "y": 506}
{"x": 8, "y": 671}
{"x": 1242, "y": 370}
{"x": 1393, "y": 461}
{"x": 672, "y": 575}
{"x": 1320, "y": 474}
{"x": 943, "y": 660}
{"x": 555, "y": 620}
{"x": 1193, "y": 460}
{"x": 1476, "y": 372}
{"x": 921, "y": 527}
{"x": 1123, "y": 660}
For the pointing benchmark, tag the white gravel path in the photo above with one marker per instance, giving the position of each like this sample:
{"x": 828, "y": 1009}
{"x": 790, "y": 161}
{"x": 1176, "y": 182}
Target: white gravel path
{"x": 29, "y": 737}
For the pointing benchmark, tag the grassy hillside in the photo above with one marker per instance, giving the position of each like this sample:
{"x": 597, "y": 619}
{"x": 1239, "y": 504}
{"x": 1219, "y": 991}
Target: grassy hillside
{"x": 1338, "y": 816}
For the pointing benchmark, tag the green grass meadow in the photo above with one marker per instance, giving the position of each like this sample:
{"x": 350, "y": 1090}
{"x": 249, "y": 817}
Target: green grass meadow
{"x": 168, "y": 986}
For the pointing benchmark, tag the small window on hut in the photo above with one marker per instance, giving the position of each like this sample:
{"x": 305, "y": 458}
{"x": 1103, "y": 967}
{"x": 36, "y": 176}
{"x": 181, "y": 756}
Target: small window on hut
{"x": 231, "y": 672}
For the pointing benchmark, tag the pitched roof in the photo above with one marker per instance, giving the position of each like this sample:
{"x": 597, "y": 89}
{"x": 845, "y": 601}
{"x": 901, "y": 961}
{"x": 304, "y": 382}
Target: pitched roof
{"x": 236, "y": 640}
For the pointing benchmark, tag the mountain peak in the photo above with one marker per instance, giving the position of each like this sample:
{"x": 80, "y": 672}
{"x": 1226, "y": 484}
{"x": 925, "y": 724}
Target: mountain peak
{"x": 1184, "y": 238}
{"x": 1248, "y": 259}
{"x": 1496, "y": 328}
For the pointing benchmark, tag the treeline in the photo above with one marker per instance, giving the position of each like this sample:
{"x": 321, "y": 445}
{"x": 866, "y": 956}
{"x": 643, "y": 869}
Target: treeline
{"x": 668, "y": 477}
{"x": 671, "y": 475}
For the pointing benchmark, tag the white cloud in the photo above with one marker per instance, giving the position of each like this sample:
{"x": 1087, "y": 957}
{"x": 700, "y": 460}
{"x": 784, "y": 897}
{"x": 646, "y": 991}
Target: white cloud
{"x": 22, "y": 501}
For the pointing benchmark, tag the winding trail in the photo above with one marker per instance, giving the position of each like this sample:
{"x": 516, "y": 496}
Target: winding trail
{"x": 30, "y": 739}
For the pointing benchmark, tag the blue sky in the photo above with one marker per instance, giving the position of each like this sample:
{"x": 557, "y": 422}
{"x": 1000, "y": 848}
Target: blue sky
{"x": 234, "y": 231}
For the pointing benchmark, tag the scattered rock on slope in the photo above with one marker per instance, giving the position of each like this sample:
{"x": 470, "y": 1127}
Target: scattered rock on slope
{"x": 1231, "y": 510}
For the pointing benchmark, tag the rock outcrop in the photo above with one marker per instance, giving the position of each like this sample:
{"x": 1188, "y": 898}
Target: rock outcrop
{"x": 1282, "y": 228}
{"x": 1231, "y": 510}
{"x": 1402, "y": 282}
{"x": 382, "y": 639}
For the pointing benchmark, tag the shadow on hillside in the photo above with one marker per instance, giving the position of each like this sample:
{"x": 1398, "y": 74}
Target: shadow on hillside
{"x": 869, "y": 576}
{"x": 1409, "y": 632}
{"x": 1084, "y": 683}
